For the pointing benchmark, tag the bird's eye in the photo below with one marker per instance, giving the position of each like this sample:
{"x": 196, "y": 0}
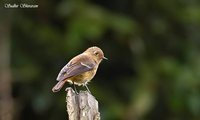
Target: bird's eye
{"x": 96, "y": 53}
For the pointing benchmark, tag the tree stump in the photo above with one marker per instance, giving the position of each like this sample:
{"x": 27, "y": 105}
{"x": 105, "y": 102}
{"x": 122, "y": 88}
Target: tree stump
{"x": 82, "y": 106}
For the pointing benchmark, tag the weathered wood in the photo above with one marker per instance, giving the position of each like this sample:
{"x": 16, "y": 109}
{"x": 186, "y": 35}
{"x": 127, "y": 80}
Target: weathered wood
{"x": 82, "y": 106}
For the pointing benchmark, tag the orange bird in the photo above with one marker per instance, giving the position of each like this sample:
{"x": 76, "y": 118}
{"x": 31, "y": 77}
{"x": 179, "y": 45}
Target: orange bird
{"x": 80, "y": 69}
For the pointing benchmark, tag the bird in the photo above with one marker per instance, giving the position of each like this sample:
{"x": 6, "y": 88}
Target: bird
{"x": 81, "y": 69}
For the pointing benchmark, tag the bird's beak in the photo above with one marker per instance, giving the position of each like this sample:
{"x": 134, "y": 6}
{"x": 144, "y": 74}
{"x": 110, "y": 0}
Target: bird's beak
{"x": 105, "y": 58}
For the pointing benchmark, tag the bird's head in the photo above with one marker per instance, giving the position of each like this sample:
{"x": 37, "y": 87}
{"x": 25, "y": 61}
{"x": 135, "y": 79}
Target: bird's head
{"x": 96, "y": 53}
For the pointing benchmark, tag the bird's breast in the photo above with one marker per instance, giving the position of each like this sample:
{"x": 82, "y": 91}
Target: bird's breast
{"x": 84, "y": 77}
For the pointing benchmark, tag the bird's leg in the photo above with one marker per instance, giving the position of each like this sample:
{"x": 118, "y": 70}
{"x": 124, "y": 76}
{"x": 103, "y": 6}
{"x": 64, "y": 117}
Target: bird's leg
{"x": 75, "y": 88}
{"x": 87, "y": 88}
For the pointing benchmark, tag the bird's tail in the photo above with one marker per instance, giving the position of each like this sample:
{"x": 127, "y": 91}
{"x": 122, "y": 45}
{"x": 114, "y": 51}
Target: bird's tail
{"x": 58, "y": 86}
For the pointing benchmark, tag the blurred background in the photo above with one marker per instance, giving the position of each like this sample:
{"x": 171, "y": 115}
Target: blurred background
{"x": 153, "y": 71}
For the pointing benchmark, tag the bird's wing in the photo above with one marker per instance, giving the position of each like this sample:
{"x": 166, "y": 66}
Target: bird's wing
{"x": 75, "y": 67}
